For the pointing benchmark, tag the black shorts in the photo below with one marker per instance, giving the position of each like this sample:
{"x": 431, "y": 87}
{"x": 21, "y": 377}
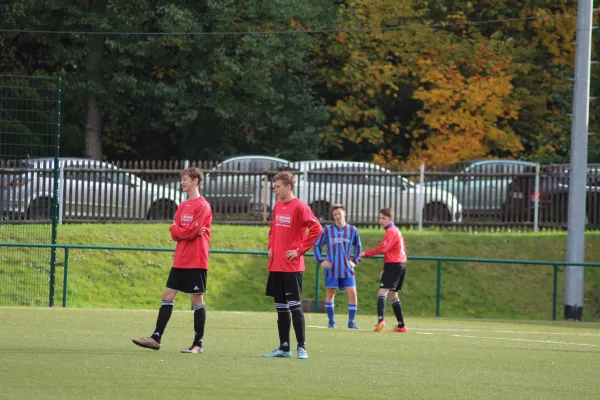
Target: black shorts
{"x": 190, "y": 281}
{"x": 392, "y": 277}
{"x": 284, "y": 286}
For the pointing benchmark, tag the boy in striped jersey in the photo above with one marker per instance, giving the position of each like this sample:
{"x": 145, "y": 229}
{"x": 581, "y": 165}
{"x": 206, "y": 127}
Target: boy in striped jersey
{"x": 393, "y": 249}
{"x": 338, "y": 267}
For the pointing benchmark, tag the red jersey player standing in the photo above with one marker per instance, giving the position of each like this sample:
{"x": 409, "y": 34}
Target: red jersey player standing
{"x": 393, "y": 249}
{"x": 288, "y": 241}
{"x": 191, "y": 231}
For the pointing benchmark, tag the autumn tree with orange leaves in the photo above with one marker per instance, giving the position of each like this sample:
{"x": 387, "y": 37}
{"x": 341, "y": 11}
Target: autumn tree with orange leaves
{"x": 467, "y": 102}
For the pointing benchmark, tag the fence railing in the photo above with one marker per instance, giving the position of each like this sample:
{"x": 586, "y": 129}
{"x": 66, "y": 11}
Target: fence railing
{"x": 530, "y": 197}
{"x": 439, "y": 260}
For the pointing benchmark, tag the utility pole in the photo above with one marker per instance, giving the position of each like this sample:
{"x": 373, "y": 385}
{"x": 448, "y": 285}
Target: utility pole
{"x": 578, "y": 174}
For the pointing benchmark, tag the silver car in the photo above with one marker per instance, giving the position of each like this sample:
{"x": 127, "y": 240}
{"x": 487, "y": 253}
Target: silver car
{"x": 364, "y": 189}
{"x": 88, "y": 189}
{"x": 480, "y": 185}
{"x": 230, "y": 185}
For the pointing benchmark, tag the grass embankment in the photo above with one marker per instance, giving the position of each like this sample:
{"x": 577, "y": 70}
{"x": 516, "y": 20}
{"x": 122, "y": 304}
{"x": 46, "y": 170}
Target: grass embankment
{"x": 124, "y": 279}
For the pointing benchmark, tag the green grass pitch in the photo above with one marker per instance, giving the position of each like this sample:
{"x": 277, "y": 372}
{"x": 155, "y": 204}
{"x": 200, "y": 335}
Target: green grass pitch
{"x": 88, "y": 354}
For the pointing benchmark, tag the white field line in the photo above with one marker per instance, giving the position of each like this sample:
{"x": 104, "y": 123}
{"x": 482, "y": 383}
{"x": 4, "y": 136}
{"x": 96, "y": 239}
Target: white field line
{"x": 417, "y": 331}
{"x": 525, "y": 340}
{"x": 423, "y": 330}
{"x": 507, "y": 331}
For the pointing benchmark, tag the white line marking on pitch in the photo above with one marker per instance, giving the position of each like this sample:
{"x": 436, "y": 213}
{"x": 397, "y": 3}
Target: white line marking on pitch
{"x": 507, "y": 331}
{"x": 525, "y": 340}
{"x": 490, "y": 337}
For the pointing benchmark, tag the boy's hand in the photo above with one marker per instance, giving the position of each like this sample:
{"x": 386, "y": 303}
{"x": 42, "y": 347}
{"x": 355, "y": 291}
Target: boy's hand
{"x": 291, "y": 254}
{"x": 201, "y": 231}
{"x": 270, "y": 253}
{"x": 362, "y": 254}
{"x": 326, "y": 264}
{"x": 352, "y": 264}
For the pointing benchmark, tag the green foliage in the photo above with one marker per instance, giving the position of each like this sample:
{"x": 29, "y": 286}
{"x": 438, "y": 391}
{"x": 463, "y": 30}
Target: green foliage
{"x": 344, "y": 95}
{"x": 179, "y": 95}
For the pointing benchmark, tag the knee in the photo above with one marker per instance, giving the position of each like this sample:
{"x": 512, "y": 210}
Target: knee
{"x": 197, "y": 299}
{"x": 169, "y": 295}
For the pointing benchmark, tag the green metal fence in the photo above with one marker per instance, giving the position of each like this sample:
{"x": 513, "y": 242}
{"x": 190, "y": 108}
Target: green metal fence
{"x": 29, "y": 128}
{"x": 555, "y": 265}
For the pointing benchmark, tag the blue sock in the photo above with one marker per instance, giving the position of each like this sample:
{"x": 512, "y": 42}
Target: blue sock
{"x": 330, "y": 310}
{"x": 352, "y": 308}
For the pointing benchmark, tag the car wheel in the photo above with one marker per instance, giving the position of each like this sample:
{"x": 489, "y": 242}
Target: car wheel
{"x": 40, "y": 210}
{"x": 162, "y": 210}
{"x": 436, "y": 212}
{"x": 321, "y": 210}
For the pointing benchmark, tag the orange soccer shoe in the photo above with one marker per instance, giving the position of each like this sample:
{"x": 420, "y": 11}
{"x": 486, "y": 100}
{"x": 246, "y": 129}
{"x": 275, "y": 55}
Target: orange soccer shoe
{"x": 398, "y": 329}
{"x": 379, "y": 326}
{"x": 148, "y": 343}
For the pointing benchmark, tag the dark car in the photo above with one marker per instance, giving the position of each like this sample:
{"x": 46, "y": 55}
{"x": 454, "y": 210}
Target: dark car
{"x": 552, "y": 195}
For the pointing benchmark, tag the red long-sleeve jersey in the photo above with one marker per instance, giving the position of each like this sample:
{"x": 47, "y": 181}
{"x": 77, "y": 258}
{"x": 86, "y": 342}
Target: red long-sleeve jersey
{"x": 288, "y": 232}
{"x": 392, "y": 247}
{"x": 191, "y": 250}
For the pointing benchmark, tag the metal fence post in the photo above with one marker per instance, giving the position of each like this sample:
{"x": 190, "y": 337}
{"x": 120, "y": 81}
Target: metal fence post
{"x": 317, "y": 284}
{"x": 265, "y": 191}
{"x": 65, "y": 277}
{"x": 421, "y": 201}
{"x": 55, "y": 197}
{"x": 61, "y": 190}
{"x": 438, "y": 292}
{"x": 536, "y": 200}
{"x": 554, "y": 291}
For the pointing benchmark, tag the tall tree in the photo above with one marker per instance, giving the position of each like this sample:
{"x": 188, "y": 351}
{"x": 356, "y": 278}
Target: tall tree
{"x": 95, "y": 67}
{"x": 468, "y": 102}
{"x": 368, "y": 76}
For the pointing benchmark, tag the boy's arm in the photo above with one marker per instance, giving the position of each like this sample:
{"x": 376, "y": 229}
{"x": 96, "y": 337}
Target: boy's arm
{"x": 382, "y": 246}
{"x": 271, "y": 224}
{"x": 319, "y": 247}
{"x": 192, "y": 230}
{"x": 357, "y": 248}
{"x": 314, "y": 226}
{"x": 175, "y": 220}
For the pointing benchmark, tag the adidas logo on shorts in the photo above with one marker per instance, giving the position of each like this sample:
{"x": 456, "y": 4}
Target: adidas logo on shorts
{"x": 196, "y": 288}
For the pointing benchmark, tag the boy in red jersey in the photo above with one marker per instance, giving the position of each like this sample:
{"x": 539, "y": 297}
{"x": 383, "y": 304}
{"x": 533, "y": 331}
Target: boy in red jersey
{"x": 394, "y": 269}
{"x": 288, "y": 242}
{"x": 191, "y": 231}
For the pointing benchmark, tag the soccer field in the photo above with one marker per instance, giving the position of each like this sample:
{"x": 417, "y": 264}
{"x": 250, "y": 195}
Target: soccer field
{"x": 85, "y": 354}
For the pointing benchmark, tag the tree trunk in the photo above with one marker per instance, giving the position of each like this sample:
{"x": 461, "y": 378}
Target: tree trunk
{"x": 94, "y": 67}
{"x": 93, "y": 129}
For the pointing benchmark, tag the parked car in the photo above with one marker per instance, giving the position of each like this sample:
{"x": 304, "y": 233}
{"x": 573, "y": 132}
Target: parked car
{"x": 229, "y": 186}
{"x": 552, "y": 197}
{"x": 89, "y": 190}
{"x": 364, "y": 189}
{"x": 480, "y": 185}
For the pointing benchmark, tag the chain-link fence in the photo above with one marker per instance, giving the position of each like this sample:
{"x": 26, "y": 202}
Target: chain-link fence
{"x": 29, "y": 128}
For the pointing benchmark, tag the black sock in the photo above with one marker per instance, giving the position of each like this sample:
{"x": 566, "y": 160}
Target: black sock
{"x": 166, "y": 309}
{"x": 381, "y": 307}
{"x": 299, "y": 325}
{"x": 284, "y": 323}
{"x": 199, "y": 322}
{"x": 397, "y": 306}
